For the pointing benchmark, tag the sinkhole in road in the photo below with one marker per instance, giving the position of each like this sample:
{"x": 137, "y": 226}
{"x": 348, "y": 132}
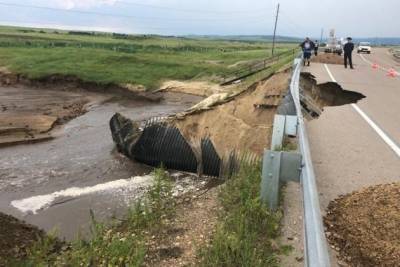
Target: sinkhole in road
{"x": 315, "y": 97}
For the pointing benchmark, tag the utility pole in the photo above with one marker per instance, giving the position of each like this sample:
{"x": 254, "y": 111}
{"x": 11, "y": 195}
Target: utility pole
{"x": 276, "y": 24}
{"x": 322, "y": 35}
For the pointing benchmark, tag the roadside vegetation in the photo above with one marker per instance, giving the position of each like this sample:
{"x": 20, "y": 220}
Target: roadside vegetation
{"x": 120, "y": 59}
{"x": 244, "y": 236}
{"x": 246, "y": 230}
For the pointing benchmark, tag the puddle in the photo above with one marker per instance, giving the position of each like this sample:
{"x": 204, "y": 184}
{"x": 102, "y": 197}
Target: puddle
{"x": 315, "y": 97}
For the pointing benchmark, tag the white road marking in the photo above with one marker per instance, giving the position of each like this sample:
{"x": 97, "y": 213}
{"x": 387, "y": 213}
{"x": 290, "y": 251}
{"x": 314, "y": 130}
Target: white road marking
{"x": 36, "y": 203}
{"x": 330, "y": 73}
{"x": 371, "y": 123}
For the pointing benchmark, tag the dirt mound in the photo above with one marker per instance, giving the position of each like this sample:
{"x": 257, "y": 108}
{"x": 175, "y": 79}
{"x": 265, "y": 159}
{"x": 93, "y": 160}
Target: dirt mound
{"x": 328, "y": 58}
{"x": 15, "y": 237}
{"x": 193, "y": 88}
{"x": 244, "y": 123}
{"x": 364, "y": 226}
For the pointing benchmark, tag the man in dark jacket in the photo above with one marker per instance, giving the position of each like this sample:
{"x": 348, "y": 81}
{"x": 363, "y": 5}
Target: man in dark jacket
{"x": 348, "y": 50}
{"x": 308, "y": 47}
{"x": 316, "y": 48}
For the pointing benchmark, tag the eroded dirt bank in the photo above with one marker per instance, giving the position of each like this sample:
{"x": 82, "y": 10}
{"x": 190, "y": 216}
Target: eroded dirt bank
{"x": 31, "y": 115}
{"x": 244, "y": 123}
{"x": 32, "y": 108}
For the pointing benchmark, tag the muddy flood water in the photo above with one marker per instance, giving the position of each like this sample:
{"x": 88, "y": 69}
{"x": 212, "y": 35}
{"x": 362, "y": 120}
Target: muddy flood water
{"x": 55, "y": 183}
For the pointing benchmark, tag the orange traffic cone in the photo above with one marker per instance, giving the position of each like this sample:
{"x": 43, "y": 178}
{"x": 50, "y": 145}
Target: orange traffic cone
{"x": 392, "y": 73}
{"x": 375, "y": 66}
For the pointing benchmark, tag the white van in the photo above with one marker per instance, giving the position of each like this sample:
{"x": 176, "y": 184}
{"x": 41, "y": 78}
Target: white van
{"x": 364, "y": 47}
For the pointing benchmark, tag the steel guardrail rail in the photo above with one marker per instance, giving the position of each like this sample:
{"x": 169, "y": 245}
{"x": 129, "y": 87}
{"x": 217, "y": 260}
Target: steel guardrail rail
{"x": 254, "y": 68}
{"x": 316, "y": 249}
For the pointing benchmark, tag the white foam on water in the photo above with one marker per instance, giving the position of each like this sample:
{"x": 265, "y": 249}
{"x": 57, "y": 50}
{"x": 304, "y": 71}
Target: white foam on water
{"x": 36, "y": 203}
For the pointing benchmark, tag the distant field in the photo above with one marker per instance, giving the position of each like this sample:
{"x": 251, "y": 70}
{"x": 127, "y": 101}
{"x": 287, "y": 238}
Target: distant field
{"x": 142, "y": 60}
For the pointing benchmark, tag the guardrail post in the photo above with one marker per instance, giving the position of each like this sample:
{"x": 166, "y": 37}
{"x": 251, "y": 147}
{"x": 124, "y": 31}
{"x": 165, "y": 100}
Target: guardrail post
{"x": 279, "y": 166}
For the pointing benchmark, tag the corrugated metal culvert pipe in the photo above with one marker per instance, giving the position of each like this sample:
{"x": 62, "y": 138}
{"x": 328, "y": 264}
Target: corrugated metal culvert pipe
{"x": 159, "y": 143}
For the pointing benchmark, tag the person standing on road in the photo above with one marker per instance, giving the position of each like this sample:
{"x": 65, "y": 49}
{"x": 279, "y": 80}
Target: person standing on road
{"x": 316, "y": 48}
{"x": 348, "y": 50}
{"x": 308, "y": 46}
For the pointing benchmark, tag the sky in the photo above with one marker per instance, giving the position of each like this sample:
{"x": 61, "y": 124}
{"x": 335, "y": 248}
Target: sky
{"x": 299, "y": 18}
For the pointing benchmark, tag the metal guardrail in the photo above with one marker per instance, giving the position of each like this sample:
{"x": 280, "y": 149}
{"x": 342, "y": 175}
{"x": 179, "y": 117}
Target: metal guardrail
{"x": 316, "y": 249}
{"x": 255, "y": 67}
{"x": 282, "y": 166}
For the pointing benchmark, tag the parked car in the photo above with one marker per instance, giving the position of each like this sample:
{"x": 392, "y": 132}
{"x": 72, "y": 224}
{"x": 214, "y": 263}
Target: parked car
{"x": 334, "y": 48}
{"x": 364, "y": 47}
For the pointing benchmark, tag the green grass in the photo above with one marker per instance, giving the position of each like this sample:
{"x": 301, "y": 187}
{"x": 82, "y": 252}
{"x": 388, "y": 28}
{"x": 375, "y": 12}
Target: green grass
{"x": 140, "y": 60}
{"x": 244, "y": 235}
{"x": 118, "y": 244}
{"x": 246, "y": 228}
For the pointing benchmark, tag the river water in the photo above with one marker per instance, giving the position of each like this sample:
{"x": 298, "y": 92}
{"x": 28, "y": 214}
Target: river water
{"x": 80, "y": 157}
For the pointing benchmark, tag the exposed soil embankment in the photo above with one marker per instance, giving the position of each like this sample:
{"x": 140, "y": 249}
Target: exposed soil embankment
{"x": 364, "y": 226}
{"x": 72, "y": 83}
{"x": 244, "y": 123}
{"x": 30, "y": 115}
{"x": 15, "y": 238}
{"x": 31, "y": 108}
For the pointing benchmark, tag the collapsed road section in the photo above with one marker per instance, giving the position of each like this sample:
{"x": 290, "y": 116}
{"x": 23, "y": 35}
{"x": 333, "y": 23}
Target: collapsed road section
{"x": 206, "y": 142}
{"x": 314, "y": 97}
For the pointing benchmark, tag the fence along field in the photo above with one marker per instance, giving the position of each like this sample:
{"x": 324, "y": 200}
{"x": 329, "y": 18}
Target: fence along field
{"x": 146, "y": 60}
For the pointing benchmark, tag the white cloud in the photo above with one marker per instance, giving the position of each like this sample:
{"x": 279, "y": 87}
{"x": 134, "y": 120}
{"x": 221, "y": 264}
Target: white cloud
{"x": 83, "y": 4}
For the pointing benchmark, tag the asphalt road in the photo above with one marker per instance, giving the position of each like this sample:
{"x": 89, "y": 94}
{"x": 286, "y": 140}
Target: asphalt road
{"x": 355, "y": 146}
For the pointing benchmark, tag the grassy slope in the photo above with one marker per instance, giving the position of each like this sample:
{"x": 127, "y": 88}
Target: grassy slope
{"x": 146, "y": 61}
{"x": 244, "y": 235}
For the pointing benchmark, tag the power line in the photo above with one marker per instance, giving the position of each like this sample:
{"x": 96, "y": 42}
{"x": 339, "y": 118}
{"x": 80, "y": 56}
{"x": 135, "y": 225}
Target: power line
{"x": 191, "y": 10}
{"x": 139, "y": 29}
{"x": 117, "y": 15}
{"x": 296, "y": 25}
{"x": 288, "y": 27}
